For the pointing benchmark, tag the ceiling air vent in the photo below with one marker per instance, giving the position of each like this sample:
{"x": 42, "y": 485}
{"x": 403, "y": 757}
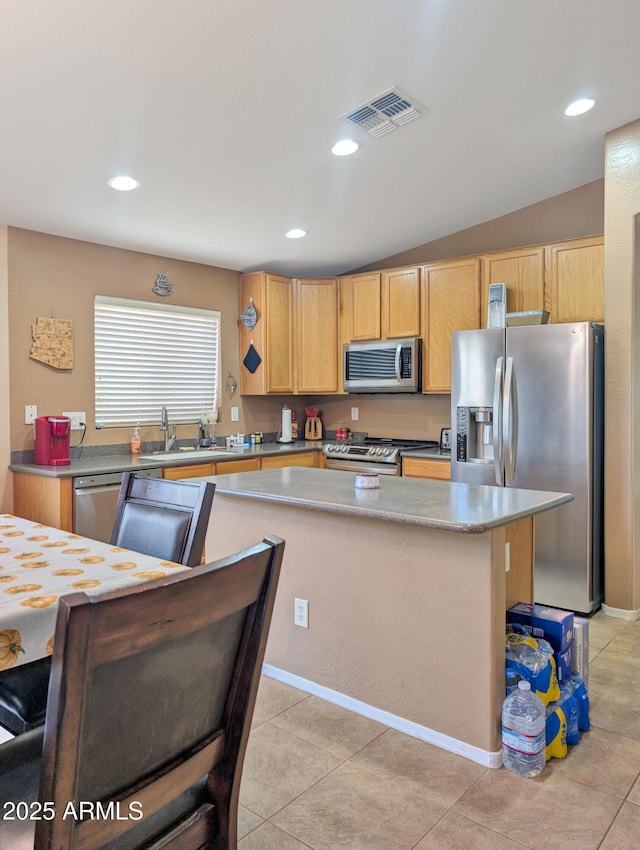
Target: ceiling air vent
{"x": 386, "y": 112}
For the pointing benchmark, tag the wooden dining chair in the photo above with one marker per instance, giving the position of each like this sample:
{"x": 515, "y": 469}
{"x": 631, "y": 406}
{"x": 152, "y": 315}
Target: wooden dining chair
{"x": 151, "y": 699}
{"x": 163, "y": 518}
{"x": 155, "y": 516}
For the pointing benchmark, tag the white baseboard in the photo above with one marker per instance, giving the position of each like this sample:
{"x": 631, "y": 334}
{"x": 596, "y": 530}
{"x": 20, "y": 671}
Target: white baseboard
{"x": 453, "y": 745}
{"x": 621, "y": 613}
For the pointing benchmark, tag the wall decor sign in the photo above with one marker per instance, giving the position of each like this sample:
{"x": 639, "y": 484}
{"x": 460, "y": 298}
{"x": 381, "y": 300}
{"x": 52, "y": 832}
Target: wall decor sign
{"x": 53, "y": 342}
{"x": 163, "y": 286}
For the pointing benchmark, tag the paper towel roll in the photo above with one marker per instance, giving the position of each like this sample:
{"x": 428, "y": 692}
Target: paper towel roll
{"x": 285, "y": 428}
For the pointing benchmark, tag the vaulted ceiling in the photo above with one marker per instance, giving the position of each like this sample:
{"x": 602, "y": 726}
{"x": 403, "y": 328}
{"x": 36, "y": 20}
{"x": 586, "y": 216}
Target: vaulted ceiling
{"x": 226, "y": 110}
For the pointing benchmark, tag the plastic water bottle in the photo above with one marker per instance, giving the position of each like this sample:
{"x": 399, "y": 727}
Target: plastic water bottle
{"x": 523, "y": 732}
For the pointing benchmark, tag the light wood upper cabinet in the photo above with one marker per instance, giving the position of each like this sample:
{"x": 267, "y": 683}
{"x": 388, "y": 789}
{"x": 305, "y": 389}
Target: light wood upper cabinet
{"x": 450, "y": 302}
{"x": 575, "y": 280}
{"x": 272, "y": 336}
{"x": 316, "y": 335}
{"x": 523, "y": 272}
{"x": 400, "y": 301}
{"x": 366, "y": 307}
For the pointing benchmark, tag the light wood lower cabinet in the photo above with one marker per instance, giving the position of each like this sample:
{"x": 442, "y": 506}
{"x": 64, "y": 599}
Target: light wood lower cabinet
{"x": 311, "y": 459}
{"x": 247, "y": 464}
{"x": 519, "y": 579}
{"x": 43, "y": 499}
{"x": 421, "y": 468}
{"x": 195, "y": 470}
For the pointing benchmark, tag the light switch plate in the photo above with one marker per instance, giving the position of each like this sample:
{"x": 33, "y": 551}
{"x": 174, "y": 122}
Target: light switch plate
{"x": 355, "y": 414}
{"x": 30, "y": 414}
{"x": 234, "y": 414}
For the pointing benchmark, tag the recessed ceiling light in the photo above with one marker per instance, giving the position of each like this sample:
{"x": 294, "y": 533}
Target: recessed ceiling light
{"x": 123, "y": 183}
{"x": 579, "y": 106}
{"x": 296, "y": 233}
{"x": 345, "y": 147}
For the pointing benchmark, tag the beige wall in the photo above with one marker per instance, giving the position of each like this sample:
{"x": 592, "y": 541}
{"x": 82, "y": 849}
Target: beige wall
{"x": 622, "y": 282}
{"x": 378, "y": 630}
{"x": 6, "y": 497}
{"x": 570, "y": 215}
{"x": 50, "y": 275}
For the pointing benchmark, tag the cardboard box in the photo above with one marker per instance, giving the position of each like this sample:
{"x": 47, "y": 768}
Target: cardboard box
{"x": 580, "y": 649}
{"x": 552, "y": 624}
{"x": 563, "y": 663}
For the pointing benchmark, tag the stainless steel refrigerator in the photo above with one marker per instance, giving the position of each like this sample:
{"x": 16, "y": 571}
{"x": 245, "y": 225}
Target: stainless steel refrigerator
{"x": 527, "y": 406}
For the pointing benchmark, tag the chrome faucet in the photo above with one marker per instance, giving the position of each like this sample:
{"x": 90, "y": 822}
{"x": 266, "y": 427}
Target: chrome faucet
{"x": 169, "y": 440}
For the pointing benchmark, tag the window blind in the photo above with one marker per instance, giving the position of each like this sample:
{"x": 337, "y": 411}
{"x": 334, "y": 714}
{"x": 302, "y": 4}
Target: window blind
{"x": 150, "y": 355}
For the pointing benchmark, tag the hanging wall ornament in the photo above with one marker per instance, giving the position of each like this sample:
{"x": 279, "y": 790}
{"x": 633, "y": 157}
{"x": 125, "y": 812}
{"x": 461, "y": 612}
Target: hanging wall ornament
{"x": 163, "y": 286}
{"x": 53, "y": 342}
{"x": 249, "y": 317}
{"x": 252, "y": 359}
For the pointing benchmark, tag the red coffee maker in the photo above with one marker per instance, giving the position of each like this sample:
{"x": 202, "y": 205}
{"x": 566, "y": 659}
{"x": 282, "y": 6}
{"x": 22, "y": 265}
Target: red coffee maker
{"x": 52, "y": 439}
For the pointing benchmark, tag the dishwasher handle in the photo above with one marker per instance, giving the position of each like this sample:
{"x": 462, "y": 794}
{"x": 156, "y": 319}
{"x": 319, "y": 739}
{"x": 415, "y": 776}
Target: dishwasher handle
{"x": 110, "y": 479}
{"x": 104, "y": 479}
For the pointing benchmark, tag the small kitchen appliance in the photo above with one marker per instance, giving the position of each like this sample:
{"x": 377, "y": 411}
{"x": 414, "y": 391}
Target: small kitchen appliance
{"x": 497, "y": 312}
{"x": 384, "y": 366}
{"x": 52, "y": 440}
{"x": 313, "y": 425}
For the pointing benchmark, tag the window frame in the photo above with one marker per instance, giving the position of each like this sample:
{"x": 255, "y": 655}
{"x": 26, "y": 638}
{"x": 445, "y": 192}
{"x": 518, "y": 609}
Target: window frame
{"x": 136, "y": 344}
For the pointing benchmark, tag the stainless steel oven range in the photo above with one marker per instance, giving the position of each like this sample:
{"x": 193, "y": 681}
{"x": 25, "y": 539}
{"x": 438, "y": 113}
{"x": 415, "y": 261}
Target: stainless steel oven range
{"x": 374, "y": 455}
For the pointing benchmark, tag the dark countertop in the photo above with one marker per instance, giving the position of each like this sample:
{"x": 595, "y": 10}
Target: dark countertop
{"x": 123, "y": 462}
{"x": 434, "y": 453}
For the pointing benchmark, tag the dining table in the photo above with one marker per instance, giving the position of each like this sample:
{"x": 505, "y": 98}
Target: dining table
{"x": 39, "y": 564}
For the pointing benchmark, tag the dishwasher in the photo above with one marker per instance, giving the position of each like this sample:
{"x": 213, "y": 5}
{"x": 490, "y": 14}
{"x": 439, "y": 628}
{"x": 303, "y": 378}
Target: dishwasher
{"x": 95, "y": 498}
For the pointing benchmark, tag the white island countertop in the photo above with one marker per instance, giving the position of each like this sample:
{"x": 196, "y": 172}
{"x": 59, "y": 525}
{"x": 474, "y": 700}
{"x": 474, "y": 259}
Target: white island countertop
{"x": 448, "y": 506}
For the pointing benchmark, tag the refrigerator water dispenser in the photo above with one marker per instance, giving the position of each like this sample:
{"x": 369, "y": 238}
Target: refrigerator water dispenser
{"x": 474, "y": 435}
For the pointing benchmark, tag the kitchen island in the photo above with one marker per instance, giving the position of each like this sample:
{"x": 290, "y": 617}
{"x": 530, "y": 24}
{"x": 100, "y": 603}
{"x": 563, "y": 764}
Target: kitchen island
{"x": 406, "y": 593}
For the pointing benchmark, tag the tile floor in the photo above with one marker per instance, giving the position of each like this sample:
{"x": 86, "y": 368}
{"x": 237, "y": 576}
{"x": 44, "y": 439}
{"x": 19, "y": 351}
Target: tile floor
{"x": 318, "y": 776}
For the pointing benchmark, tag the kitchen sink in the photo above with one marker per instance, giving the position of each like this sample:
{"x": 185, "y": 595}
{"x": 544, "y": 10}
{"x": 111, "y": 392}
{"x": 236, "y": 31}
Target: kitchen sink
{"x": 195, "y": 454}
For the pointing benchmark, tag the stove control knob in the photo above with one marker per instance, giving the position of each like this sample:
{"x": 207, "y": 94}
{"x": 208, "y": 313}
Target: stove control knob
{"x": 386, "y": 452}
{"x": 378, "y": 452}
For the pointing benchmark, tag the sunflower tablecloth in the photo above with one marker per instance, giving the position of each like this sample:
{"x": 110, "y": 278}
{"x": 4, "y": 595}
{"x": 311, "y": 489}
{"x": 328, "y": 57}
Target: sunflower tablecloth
{"x": 39, "y": 564}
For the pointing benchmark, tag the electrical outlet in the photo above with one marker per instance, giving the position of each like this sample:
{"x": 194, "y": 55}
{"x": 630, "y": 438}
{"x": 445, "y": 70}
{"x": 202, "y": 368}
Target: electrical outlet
{"x": 234, "y": 414}
{"x": 77, "y": 417}
{"x": 507, "y": 557}
{"x": 355, "y": 414}
{"x": 301, "y": 613}
{"x": 30, "y": 414}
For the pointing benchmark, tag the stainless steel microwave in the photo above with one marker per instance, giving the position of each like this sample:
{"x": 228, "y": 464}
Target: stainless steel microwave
{"x": 384, "y": 366}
